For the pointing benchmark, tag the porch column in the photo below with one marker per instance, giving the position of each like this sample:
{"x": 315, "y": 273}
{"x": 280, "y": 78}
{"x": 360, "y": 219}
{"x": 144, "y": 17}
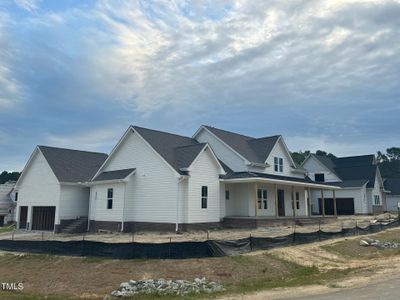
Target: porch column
{"x": 256, "y": 201}
{"x": 309, "y": 202}
{"x": 323, "y": 202}
{"x": 293, "y": 204}
{"x": 276, "y": 200}
{"x": 334, "y": 202}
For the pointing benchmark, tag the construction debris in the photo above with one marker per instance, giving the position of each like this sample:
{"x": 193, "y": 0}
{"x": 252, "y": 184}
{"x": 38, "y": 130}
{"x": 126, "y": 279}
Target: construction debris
{"x": 379, "y": 244}
{"x": 166, "y": 287}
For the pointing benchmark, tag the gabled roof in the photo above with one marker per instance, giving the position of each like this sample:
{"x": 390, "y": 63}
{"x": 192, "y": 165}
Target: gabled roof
{"x": 72, "y": 165}
{"x": 352, "y": 169}
{"x": 393, "y": 185}
{"x": 351, "y": 183}
{"x": 255, "y": 150}
{"x": 178, "y": 151}
{"x": 114, "y": 175}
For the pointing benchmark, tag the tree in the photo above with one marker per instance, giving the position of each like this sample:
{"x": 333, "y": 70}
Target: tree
{"x": 300, "y": 156}
{"x": 389, "y": 163}
{"x": 6, "y": 176}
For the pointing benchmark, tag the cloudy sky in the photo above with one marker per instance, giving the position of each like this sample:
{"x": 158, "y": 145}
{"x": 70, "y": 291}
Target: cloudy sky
{"x": 74, "y": 73}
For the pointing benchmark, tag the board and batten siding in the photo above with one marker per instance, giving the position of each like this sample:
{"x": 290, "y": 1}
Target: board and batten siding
{"x": 222, "y": 151}
{"x": 151, "y": 193}
{"x": 313, "y": 166}
{"x": 98, "y": 203}
{"x": 205, "y": 172}
{"x": 38, "y": 187}
{"x": 280, "y": 151}
{"x": 74, "y": 202}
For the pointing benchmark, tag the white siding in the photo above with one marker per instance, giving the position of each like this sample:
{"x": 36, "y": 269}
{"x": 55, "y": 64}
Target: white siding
{"x": 312, "y": 165}
{"x": 39, "y": 187}
{"x": 240, "y": 197}
{"x": 280, "y": 151}
{"x": 391, "y": 202}
{"x": 375, "y": 191}
{"x": 151, "y": 193}
{"x": 99, "y": 210}
{"x": 205, "y": 172}
{"x": 74, "y": 202}
{"x": 358, "y": 194}
{"x": 223, "y": 152}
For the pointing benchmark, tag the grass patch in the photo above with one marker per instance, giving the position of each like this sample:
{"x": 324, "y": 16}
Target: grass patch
{"x": 7, "y": 229}
{"x": 351, "y": 248}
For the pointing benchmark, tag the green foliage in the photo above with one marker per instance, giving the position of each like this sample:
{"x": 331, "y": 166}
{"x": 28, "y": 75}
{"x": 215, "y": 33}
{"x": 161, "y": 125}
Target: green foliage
{"x": 6, "y": 176}
{"x": 300, "y": 156}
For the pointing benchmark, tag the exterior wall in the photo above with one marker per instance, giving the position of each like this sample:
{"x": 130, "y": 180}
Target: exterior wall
{"x": 7, "y": 203}
{"x": 312, "y": 165}
{"x": 152, "y": 192}
{"x": 391, "y": 202}
{"x": 205, "y": 172}
{"x": 280, "y": 151}
{"x": 244, "y": 197}
{"x": 74, "y": 202}
{"x": 98, "y": 202}
{"x": 38, "y": 187}
{"x": 225, "y": 154}
{"x": 359, "y": 195}
{"x": 372, "y": 208}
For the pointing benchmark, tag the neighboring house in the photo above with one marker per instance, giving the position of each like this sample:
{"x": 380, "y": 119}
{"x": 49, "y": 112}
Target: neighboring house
{"x": 51, "y": 190}
{"x": 7, "y": 203}
{"x": 163, "y": 181}
{"x": 359, "y": 177}
{"x": 392, "y": 185}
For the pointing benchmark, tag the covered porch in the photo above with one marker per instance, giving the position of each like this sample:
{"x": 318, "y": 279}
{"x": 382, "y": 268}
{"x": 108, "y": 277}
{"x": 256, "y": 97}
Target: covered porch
{"x": 276, "y": 197}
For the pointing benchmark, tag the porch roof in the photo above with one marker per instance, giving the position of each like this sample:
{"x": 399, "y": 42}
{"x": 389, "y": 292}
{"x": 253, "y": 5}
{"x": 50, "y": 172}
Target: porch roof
{"x": 243, "y": 177}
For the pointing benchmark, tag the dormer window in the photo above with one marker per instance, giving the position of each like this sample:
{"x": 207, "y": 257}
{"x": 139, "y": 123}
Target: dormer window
{"x": 319, "y": 177}
{"x": 278, "y": 164}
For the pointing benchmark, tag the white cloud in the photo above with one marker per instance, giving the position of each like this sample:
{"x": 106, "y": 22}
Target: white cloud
{"x": 29, "y": 5}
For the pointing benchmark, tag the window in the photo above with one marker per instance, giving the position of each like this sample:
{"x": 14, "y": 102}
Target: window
{"x": 16, "y": 196}
{"x": 110, "y": 195}
{"x": 227, "y": 195}
{"x": 278, "y": 164}
{"x": 204, "y": 196}
{"x": 377, "y": 200}
{"x": 297, "y": 200}
{"x": 319, "y": 177}
{"x": 262, "y": 199}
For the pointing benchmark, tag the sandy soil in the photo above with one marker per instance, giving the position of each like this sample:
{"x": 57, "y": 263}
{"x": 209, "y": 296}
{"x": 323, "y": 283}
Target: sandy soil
{"x": 162, "y": 237}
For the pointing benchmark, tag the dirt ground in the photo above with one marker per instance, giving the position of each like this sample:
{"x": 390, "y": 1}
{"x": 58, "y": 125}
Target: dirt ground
{"x": 162, "y": 237}
{"x": 94, "y": 277}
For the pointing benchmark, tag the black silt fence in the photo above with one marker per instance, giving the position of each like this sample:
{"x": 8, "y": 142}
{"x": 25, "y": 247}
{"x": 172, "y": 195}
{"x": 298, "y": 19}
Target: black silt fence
{"x": 182, "y": 250}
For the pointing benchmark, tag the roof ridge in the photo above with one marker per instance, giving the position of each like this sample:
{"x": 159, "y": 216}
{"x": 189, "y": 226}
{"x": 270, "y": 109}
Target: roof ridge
{"x": 195, "y": 145}
{"x": 354, "y": 156}
{"x": 212, "y": 127}
{"x": 164, "y": 132}
{"x": 69, "y": 149}
{"x": 266, "y": 137}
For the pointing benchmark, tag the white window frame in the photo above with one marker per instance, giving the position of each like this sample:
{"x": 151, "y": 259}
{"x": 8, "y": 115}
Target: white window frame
{"x": 377, "y": 200}
{"x": 297, "y": 197}
{"x": 262, "y": 202}
{"x": 278, "y": 164}
{"x": 204, "y": 197}
{"x": 110, "y": 198}
{"x": 227, "y": 195}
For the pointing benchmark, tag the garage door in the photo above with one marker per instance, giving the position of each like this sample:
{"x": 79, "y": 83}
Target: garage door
{"x": 43, "y": 217}
{"x": 344, "y": 206}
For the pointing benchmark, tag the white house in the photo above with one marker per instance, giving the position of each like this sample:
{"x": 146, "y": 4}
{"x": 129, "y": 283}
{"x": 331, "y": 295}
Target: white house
{"x": 359, "y": 177}
{"x": 51, "y": 193}
{"x": 7, "y": 203}
{"x": 392, "y": 185}
{"x": 163, "y": 181}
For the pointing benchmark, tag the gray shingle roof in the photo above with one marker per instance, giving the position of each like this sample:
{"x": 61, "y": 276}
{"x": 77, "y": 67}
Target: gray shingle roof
{"x": 179, "y": 151}
{"x": 253, "y": 149}
{"x": 238, "y": 175}
{"x": 352, "y": 168}
{"x": 350, "y": 183}
{"x": 73, "y": 165}
{"x": 114, "y": 175}
{"x": 393, "y": 185}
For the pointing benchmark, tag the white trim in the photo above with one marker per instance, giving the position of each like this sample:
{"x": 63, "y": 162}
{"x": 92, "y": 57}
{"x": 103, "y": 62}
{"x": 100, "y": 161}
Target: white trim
{"x": 286, "y": 182}
{"x": 321, "y": 164}
{"x": 280, "y": 138}
{"x": 220, "y": 140}
{"x": 222, "y": 171}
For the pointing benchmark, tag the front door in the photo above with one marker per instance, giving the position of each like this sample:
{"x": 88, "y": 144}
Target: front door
{"x": 23, "y": 216}
{"x": 281, "y": 203}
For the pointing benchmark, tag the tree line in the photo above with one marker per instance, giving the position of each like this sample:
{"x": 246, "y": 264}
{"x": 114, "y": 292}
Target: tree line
{"x": 389, "y": 162}
{"x": 9, "y": 176}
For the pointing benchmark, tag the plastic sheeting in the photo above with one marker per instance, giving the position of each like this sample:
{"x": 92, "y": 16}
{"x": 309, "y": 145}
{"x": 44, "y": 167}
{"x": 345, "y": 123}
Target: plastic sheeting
{"x": 181, "y": 250}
